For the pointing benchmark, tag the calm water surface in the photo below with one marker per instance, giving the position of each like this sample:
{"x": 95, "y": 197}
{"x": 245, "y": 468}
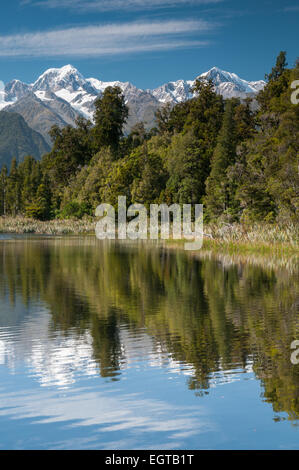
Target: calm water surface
{"x": 114, "y": 346}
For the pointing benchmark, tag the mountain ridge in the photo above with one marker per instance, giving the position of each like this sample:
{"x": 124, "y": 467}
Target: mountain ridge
{"x": 60, "y": 95}
{"x": 69, "y": 84}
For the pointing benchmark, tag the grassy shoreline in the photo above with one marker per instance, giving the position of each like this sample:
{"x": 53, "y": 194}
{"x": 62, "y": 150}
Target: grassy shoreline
{"x": 22, "y": 225}
{"x": 234, "y": 238}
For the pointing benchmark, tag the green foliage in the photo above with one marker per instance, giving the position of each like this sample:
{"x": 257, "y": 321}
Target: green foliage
{"x": 188, "y": 167}
{"x": 242, "y": 164}
{"x": 72, "y": 149}
{"x": 13, "y": 189}
{"x": 110, "y": 116}
{"x": 238, "y": 125}
{"x": 85, "y": 185}
{"x": 3, "y": 190}
{"x": 267, "y": 169}
{"x": 279, "y": 68}
{"x": 75, "y": 210}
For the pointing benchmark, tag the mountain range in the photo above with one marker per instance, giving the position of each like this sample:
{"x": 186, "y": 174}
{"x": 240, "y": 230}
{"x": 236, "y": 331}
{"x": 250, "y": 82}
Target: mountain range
{"x": 60, "y": 95}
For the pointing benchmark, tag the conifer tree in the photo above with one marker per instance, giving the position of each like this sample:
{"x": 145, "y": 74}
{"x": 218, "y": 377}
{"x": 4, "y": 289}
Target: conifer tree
{"x": 279, "y": 68}
{"x": 13, "y": 195}
{"x": 3, "y": 190}
{"x": 268, "y": 170}
{"x": 40, "y": 207}
{"x": 219, "y": 194}
{"x": 30, "y": 172}
{"x": 110, "y": 116}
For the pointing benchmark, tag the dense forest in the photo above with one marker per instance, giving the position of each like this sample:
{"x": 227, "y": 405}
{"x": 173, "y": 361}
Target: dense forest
{"x": 238, "y": 159}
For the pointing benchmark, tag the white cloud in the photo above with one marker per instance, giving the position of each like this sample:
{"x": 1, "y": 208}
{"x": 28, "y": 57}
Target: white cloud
{"x": 292, "y": 8}
{"x": 110, "y": 39}
{"x": 111, "y": 5}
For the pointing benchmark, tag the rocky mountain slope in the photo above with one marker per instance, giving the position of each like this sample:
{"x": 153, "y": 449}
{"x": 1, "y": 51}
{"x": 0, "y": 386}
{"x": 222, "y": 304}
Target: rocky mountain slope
{"x": 17, "y": 139}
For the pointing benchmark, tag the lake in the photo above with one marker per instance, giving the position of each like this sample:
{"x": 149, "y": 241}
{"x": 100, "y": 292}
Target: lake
{"x": 107, "y": 345}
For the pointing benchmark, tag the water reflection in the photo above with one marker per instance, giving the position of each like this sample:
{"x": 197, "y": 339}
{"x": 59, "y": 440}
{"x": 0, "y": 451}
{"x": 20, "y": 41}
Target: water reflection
{"x": 76, "y": 308}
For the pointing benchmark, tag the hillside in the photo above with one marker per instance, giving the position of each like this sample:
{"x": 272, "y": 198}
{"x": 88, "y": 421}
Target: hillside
{"x": 41, "y": 115}
{"x": 17, "y": 139}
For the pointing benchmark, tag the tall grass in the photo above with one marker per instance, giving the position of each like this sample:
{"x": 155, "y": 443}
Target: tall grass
{"x": 20, "y": 225}
{"x": 254, "y": 233}
{"x": 232, "y": 236}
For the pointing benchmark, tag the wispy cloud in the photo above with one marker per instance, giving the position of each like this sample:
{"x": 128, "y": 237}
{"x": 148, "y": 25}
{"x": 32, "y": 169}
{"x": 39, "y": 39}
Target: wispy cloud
{"x": 292, "y": 8}
{"x": 111, "y": 5}
{"x": 110, "y": 39}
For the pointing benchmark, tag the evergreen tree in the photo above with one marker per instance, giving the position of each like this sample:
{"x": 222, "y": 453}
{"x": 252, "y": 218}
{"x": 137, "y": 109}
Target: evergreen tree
{"x": 278, "y": 82}
{"x": 219, "y": 192}
{"x": 43, "y": 199}
{"x": 188, "y": 168}
{"x": 30, "y": 175}
{"x": 147, "y": 188}
{"x": 162, "y": 116}
{"x": 279, "y": 68}
{"x": 268, "y": 165}
{"x": 137, "y": 137}
{"x": 205, "y": 115}
{"x": 13, "y": 194}
{"x": 72, "y": 149}
{"x": 110, "y": 116}
{"x": 3, "y": 190}
{"x": 190, "y": 152}
{"x": 245, "y": 121}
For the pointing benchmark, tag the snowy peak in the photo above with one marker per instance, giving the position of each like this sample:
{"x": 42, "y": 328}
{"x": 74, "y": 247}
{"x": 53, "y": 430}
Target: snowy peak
{"x": 15, "y": 90}
{"x": 176, "y": 92}
{"x": 100, "y": 86}
{"x": 67, "y": 85}
{"x": 230, "y": 84}
{"x": 67, "y": 77}
{"x": 258, "y": 86}
{"x": 219, "y": 76}
{"x": 227, "y": 84}
{"x": 127, "y": 88}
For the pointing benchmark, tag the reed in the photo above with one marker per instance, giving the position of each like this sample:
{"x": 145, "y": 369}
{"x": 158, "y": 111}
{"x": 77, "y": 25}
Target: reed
{"x": 22, "y": 225}
{"x": 218, "y": 237}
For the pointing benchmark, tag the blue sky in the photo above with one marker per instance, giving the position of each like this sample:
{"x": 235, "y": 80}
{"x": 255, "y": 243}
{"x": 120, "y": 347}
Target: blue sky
{"x": 147, "y": 42}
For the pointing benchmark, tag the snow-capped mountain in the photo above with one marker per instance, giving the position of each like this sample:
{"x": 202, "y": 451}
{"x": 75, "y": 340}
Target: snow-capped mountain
{"x": 175, "y": 92}
{"x": 15, "y": 90}
{"x": 65, "y": 93}
{"x": 68, "y": 84}
{"x": 227, "y": 84}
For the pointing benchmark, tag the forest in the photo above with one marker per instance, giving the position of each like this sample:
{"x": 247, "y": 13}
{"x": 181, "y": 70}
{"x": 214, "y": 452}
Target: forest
{"x": 237, "y": 157}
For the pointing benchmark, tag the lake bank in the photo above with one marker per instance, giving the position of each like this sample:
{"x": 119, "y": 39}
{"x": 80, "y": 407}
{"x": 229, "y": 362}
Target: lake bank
{"x": 262, "y": 239}
{"x": 23, "y": 225}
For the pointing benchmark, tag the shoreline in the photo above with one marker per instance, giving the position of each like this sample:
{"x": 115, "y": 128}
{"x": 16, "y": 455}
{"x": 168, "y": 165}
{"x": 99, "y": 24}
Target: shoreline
{"x": 232, "y": 239}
